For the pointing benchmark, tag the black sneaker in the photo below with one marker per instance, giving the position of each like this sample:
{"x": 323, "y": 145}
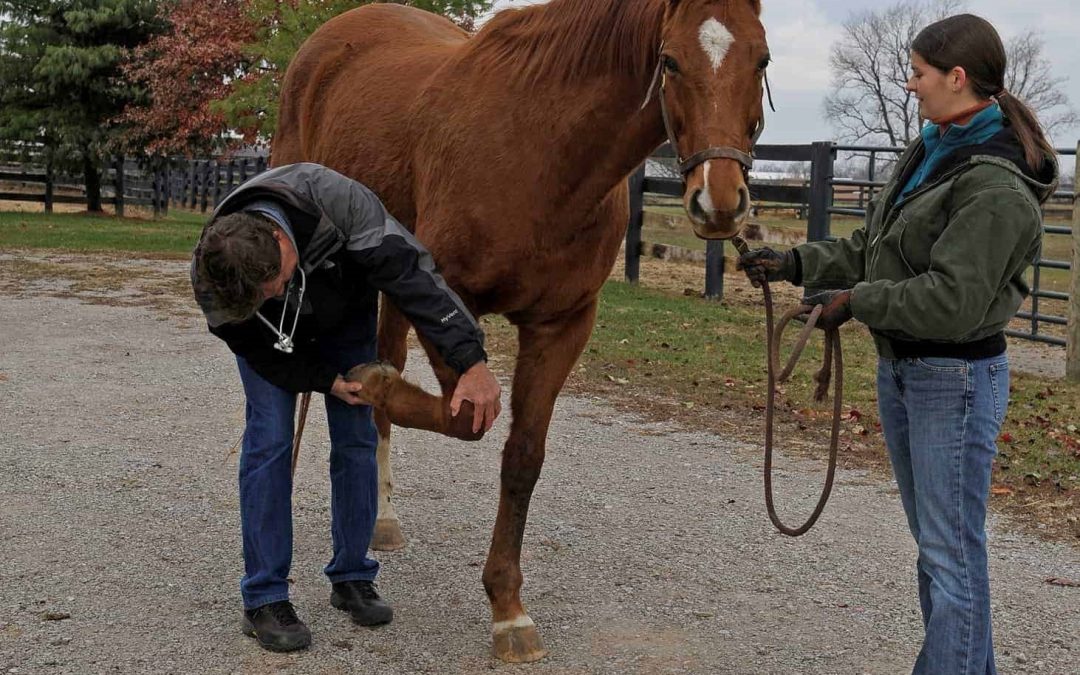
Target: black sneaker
{"x": 277, "y": 627}
{"x": 362, "y": 601}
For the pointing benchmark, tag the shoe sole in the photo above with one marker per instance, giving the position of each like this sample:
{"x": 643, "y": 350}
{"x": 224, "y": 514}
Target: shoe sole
{"x": 337, "y": 603}
{"x": 249, "y": 630}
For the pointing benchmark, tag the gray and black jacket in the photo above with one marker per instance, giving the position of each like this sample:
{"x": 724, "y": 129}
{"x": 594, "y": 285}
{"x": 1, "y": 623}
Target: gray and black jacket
{"x": 350, "y": 248}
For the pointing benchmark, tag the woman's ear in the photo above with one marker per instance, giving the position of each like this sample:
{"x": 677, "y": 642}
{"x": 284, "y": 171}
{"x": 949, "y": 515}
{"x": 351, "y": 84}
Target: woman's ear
{"x": 958, "y": 79}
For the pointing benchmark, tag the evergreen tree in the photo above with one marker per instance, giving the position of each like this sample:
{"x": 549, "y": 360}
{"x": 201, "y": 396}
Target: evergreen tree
{"x": 60, "y": 80}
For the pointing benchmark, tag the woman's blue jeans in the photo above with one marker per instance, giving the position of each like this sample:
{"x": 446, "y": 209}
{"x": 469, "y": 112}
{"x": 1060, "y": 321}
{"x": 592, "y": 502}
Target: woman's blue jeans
{"x": 941, "y": 419}
{"x": 266, "y": 475}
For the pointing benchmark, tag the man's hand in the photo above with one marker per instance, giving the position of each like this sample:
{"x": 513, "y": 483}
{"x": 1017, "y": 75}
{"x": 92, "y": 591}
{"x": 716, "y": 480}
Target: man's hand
{"x": 478, "y": 386}
{"x": 347, "y": 391}
{"x": 765, "y": 264}
{"x": 837, "y": 310}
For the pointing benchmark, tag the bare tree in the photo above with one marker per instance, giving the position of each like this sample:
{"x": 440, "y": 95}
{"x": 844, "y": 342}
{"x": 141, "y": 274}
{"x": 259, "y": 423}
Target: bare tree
{"x": 871, "y": 63}
{"x": 1029, "y": 77}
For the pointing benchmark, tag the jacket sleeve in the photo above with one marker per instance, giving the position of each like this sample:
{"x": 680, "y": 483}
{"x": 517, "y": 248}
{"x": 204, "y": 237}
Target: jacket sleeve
{"x": 300, "y": 371}
{"x": 974, "y": 256}
{"x": 836, "y": 264}
{"x": 395, "y": 263}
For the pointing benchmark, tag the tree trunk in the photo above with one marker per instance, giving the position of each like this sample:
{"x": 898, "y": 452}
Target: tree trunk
{"x": 92, "y": 176}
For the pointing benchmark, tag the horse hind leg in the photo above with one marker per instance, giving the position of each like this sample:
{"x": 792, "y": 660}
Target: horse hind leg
{"x": 393, "y": 331}
{"x": 546, "y": 355}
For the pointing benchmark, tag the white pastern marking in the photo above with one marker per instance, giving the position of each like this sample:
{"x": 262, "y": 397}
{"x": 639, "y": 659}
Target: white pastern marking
{"x": 523, "y": 621}
{"x": 716, "y": 40}
{"x": 705, "y": 200}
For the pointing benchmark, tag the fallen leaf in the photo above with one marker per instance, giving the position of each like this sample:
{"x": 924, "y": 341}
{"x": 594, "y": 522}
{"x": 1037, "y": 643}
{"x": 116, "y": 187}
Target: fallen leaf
{"x": 55, "y": 616}
{"x": 1002, "y": 490}
{"x": 1058, "y": 581}
{"x": 1006, "y": 437}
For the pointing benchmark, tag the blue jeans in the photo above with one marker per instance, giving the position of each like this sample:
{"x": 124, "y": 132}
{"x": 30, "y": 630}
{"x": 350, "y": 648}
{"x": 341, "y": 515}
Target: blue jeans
{"x": 266, "y": 475}
{"x": 941, "y": 419}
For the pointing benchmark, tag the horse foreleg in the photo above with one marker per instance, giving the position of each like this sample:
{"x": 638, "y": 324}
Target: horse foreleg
{"x": 393, "y": 331}
{"x": 546, "y": 354}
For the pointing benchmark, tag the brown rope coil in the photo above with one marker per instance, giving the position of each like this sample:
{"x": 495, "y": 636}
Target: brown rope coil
{"x": 832, "y": 369}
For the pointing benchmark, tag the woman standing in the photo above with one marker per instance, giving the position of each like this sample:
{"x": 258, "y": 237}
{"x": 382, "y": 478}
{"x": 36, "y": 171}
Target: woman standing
{"x": 936, "y": 274}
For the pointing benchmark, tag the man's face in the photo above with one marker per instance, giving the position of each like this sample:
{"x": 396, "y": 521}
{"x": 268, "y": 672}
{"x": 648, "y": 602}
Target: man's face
{"x": 275, "y": 288}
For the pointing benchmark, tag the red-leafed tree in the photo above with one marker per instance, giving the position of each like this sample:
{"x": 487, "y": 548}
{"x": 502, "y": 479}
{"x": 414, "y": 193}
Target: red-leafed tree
{"x": 182, "y": 72}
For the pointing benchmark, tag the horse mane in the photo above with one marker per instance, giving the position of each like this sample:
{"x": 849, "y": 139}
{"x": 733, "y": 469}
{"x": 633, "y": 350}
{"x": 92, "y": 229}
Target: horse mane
{"x": 568, "y": 41}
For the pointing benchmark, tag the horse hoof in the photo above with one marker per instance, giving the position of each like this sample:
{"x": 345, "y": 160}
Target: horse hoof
{"x": 387, "y": 535}
{"x": 518, "y": 644}
{"x": 378, "y": 378}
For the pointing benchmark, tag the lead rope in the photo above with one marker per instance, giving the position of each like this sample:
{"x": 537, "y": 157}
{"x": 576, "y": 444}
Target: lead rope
{"x": 833, "y": 367}
{"x": 305, "y": 401}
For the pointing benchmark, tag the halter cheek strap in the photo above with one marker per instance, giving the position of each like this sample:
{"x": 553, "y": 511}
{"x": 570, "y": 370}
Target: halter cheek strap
{"x": 657, "y": 87}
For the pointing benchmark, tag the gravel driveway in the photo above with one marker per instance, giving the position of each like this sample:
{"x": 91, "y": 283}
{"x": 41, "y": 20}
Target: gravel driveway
{"x": 647, "y": 551}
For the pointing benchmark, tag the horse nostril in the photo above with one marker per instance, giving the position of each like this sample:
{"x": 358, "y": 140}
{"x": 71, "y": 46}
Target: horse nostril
{"x": 744, "y": 202}
{"x": 696, "y": 211}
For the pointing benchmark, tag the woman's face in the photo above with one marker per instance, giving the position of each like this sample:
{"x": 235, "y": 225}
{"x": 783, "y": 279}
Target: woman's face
{"x": 933, "y": 88}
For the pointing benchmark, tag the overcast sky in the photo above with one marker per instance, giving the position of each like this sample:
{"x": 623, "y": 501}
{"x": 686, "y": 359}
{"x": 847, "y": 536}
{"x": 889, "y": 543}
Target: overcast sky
{"x": 801, "y": 33}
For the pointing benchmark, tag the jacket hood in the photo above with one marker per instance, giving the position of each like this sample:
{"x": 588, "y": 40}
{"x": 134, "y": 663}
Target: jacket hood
{"x": 1004, "y": 150}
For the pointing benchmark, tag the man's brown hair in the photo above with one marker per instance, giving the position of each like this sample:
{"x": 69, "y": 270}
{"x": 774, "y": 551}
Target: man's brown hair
{"x": 236, "y": 255}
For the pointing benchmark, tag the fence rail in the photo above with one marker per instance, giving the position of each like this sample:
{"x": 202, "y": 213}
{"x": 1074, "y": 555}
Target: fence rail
{"x": 28, "y": 176}
{"x": 826, "y": 195}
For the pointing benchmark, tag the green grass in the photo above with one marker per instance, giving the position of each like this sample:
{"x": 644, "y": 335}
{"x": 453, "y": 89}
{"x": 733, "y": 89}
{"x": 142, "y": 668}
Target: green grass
{"x": 175, "y": 234}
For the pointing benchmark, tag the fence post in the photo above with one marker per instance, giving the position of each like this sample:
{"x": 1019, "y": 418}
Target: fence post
{"x": 118, "y": 186}
{"x": 714, "y": 269}
{"x": 1072, "y": 350}
{"x": 167, "y": 194}
{"x": 821, "y": 174}
{"x": 217, "y": 182}
{"x": 50, "y": 178}
{"x": 205, "y": 185}
{"x": 191, "y": 183}
{"x": 155, "y": 187}
{"x": 229, "y": 182}
{"x": 633, "y": 228}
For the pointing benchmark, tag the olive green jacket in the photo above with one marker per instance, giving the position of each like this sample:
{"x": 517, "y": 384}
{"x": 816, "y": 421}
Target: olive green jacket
{"x": 946, "y": 263}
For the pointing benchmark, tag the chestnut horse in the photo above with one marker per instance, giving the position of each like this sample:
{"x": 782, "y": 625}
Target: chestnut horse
{"x": 507, "y": 152}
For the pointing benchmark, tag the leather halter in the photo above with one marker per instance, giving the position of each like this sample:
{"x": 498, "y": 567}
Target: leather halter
{"x": 746, "y": 159}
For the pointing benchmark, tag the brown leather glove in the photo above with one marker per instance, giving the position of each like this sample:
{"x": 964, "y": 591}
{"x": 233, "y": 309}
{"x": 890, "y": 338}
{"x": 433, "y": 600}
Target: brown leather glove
{"x": 765, "y": 264}
{"x": 837, "y": 310}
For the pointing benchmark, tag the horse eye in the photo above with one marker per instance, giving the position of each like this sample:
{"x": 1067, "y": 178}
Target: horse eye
{"x": 670, "y": 64}
{"x": 764, "y": 63}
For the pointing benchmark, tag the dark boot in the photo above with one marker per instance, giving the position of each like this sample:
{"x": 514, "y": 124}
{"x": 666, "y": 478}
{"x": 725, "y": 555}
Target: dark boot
{"x": 362, "y": 601}
{"x": 277, "y": 627}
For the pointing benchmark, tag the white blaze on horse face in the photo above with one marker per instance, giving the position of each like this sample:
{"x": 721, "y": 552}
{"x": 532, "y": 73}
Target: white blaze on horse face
{"x": 716, "y": 40}
{"x": 705, "y": 200}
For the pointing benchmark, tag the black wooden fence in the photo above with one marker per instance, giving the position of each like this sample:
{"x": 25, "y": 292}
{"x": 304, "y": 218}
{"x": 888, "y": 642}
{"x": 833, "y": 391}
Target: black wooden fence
{"x": 825, "y": 195}
{"x": 29, "y": 175}
{"x": 202, "y": 183}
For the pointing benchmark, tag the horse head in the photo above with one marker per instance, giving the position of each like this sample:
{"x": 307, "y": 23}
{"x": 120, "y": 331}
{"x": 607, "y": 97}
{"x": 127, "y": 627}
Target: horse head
{"x": 710, "y": 79}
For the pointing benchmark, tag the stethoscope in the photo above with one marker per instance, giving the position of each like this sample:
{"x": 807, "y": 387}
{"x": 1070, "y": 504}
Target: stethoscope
{"x": 285, "y": 342}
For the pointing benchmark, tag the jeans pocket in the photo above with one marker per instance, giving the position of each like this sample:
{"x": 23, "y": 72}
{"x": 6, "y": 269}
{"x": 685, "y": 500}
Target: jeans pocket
{"x": 939, "y": 364}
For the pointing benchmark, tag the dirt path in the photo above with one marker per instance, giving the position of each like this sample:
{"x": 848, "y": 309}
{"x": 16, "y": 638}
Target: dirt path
{"x": 647, "y": 551}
